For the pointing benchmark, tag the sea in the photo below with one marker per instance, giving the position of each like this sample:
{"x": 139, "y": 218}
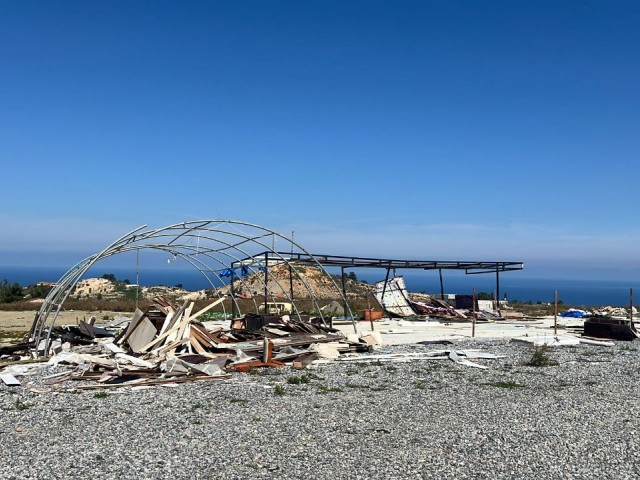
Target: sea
{"x": 515, "y": 286}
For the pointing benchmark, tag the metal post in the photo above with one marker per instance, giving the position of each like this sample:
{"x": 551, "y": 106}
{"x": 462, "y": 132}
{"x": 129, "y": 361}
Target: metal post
{"x": 473, "y": 324}
{"x": 266, "y": 281}
{"x": 291, "y": 283}
{"x": 441, "y": 285}
{"x": 498, "y": 292}
{"x": 137, "y": 275}
{"x": 555, "y": 312}
{"x": 233, "y": 295}
{"x": 290, "y": 271}
{"x": 344, "y": 293}
{"x": 384, "y": 287}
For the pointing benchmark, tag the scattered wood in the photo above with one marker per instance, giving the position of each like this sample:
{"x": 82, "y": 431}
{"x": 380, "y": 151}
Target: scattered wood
{"x": 166, "y": 344}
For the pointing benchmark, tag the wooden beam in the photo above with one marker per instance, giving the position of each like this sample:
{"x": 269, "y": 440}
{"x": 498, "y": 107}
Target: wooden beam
{"x": 304, "y": 360}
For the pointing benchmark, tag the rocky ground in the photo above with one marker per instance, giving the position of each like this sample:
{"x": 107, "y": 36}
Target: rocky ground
{"x": 422, "y": 419}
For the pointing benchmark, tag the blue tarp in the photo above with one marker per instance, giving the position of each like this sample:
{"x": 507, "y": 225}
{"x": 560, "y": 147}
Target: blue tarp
{"x": 573, "y": 314}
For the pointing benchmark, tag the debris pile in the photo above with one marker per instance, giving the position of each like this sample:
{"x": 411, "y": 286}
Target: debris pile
{"x": 392, "y": 294}
{"x": 436, "y": 307}
{"x": 168, "y": 344}
{"x": 609, "y": 311}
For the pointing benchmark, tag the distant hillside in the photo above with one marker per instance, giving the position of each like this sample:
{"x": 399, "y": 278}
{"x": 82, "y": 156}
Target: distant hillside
{"x": 307, "y": 281}
{"x": 279, "y": 283}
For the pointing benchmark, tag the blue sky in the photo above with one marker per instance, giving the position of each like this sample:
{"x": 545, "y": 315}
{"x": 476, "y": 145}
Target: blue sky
{"x": 425, "y": 130}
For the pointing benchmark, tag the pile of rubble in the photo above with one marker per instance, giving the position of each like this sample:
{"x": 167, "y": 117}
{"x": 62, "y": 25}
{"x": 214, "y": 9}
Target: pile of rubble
{"x": 168, "y": 344}
{"x": 609, "y": 311}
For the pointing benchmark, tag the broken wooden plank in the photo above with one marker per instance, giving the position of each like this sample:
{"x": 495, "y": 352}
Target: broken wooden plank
{"x": 267, "y": 350}
{"x": 195, "y": 343}
{"x": 208, "y": 307}
{"x": 245, "y": 366}
{"x": 87, "y": 329}
{"x": 133, "y": 323}
{"x": 176, "y": 318}
{"x": 57, "y": 378}
{"x": 202, "y": 336}
{"x": 183, "y": 331}
{"x": 170, "y": 346}
{"x": 142, "y": 335}
{"x": 304, "y": 360}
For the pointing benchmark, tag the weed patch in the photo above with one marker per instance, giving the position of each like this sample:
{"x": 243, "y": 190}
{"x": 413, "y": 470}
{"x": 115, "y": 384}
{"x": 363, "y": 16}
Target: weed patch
{"x": 509, "y": 384}
{"x": 22, "y": 405}
{"x": 355, "y": 385}
{"x": 540, "y": 357}
{"x": 294, "y": 380}
{"x": 325, "y": 389}
{"x": 561, "y": 385}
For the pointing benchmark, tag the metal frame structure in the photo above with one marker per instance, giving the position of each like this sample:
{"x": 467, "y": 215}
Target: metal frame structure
{"x": 469, "y": 267}
{"x": 213, "y": 247}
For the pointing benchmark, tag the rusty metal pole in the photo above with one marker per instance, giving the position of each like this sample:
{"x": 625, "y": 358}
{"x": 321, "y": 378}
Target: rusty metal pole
{"x": 441, "y": 285}
{"x": 555, "y": 312}
{"x": 370, "y": 316}
{"x": 473, "y": 324}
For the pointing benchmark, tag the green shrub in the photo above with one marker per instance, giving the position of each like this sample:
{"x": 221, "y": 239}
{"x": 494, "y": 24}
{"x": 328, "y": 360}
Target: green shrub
{"x": 540, "y": 357}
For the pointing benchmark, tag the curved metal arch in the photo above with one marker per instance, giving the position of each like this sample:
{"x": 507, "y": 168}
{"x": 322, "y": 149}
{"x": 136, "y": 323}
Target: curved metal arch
{"x": 200, "y": 230}
{"x": 278, "y": 256}
{"x": 160, "y": 233}
{"x": 233, "y": 257}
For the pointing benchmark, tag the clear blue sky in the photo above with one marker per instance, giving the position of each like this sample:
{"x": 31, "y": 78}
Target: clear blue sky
{"x": 413, "y": 129}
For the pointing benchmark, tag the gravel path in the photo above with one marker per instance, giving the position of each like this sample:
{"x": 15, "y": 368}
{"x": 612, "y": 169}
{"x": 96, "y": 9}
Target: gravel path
{"x": 423, "y": 419}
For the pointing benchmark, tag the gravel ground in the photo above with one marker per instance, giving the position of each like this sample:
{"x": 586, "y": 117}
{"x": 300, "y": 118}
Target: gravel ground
{"x": 423, "y": 419}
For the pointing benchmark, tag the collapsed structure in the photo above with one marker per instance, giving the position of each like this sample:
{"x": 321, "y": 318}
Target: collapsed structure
{"x": 224, "y": 252}
{"x": 167, "y": 343}
{"x": 267, "y": 322}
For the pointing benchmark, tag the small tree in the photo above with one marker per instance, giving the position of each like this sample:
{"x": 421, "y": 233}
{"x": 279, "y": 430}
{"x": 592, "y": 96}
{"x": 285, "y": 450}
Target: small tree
{"x": 10, "y": 292}
{"x": 109, "y": 276}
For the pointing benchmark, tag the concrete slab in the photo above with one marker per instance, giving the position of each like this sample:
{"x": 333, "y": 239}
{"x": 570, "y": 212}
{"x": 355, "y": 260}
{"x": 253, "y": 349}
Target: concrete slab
{"x": 403, "y": 331}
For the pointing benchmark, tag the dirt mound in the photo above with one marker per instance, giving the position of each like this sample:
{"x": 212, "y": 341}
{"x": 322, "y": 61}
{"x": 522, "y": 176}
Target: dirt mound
{"x": 305, "y": 280}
